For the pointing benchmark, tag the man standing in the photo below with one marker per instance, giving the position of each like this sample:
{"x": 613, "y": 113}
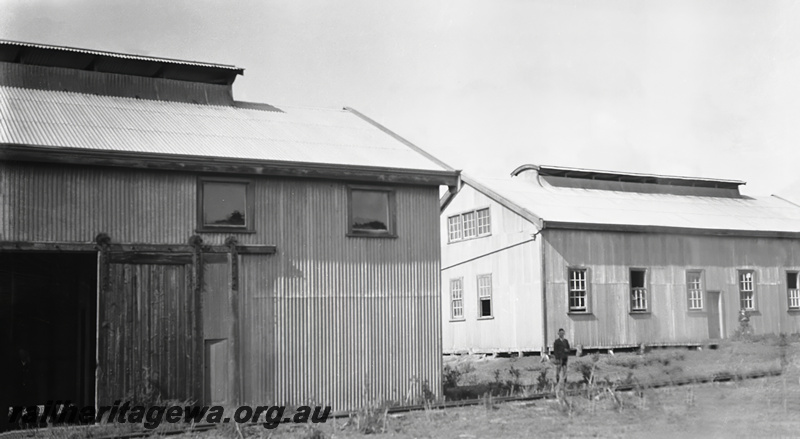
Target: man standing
{"x": 561, "y": 351}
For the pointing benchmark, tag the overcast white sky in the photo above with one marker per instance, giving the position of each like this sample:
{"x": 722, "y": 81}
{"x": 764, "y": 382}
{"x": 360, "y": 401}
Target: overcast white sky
{"x": 687, "y": 87}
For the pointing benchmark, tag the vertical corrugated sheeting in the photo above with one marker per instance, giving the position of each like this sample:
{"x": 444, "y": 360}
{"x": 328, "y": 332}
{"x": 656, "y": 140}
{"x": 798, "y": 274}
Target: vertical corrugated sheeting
{"x": 113, "y": 84}
{"x": 608, "y": 257}
{"x": 356, "y": 320}
{"x": 59, "y": 203}
{"x": 329, "y": 318}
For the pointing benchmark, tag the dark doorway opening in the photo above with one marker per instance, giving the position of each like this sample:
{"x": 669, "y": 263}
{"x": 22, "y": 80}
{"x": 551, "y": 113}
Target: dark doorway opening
{"x": 48, "y": 309}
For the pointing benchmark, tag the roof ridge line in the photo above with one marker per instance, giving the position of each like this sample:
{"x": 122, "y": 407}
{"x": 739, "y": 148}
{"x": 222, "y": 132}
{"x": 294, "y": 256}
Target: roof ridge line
{"x": 397, "y": 137}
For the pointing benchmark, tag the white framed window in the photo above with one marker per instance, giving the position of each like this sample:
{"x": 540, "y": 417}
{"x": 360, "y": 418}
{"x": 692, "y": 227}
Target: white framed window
{"x": 747, "y": 292}
{"x": 485, "y": 296}
{"x": 484, "y": 222}
{"x": 469, "y": 225}
{"x": 454, "y": 228}
{"x": 470, "y": 229}
{"x": 578, "y": 293}
{"x": 638, "y": 283}
{"x": 457, "y": 298}
{"x": 695, "y": 289}
{"x": 793, "y": 289}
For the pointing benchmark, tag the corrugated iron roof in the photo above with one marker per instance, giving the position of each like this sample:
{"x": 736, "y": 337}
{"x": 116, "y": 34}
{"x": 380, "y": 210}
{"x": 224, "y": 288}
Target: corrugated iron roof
{"x": 317, "y": 136}
{"x": 615, "y": 208}
{"x": 636, "y": 177}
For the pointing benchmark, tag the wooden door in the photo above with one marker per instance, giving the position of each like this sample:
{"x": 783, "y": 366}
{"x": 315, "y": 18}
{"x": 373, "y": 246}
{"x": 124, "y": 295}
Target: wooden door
{"x": 148, "y": 329}
{"x": 218, "y": 331}
{"x": 714, "y": 329}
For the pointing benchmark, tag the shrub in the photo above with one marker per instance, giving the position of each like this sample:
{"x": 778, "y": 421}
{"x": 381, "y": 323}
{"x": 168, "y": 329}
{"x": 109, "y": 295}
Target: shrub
{"x": 450, "y": 377}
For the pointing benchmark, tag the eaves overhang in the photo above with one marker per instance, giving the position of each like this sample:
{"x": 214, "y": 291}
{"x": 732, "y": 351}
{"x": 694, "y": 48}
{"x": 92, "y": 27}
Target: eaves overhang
{"x": 208, "y": 164}
{"x": 629, "y": 228}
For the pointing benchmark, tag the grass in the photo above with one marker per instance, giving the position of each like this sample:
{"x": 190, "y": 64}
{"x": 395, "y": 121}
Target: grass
{"x": 477, "y": 375}
{"x": 763, "y": 407}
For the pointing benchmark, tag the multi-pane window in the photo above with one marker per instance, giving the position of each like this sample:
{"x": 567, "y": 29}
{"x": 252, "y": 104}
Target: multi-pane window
{"x": 467, "y": 225}
{"x": 578, "y": 294}
{"x": 793, "y": 289}
{"x": 638, "y": 290}
{"x": 470, "y": 228}
{"x": 454, "y": 227}
{"x": 485, "y": 295}
{"x": 747, "y": 289}
{"x": 372, "y": 212}
{"x": 694, "y": 286}
{"x": 484, "y": 222}
{"x": 457, "y": 298}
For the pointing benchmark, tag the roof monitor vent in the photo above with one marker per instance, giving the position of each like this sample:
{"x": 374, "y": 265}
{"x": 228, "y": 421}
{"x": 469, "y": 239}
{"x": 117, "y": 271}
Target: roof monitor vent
{"x": 628, "y": 182}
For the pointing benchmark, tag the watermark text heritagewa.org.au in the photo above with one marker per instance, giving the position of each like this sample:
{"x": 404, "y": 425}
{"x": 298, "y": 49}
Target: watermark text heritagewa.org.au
{"x": 152, "y": 416}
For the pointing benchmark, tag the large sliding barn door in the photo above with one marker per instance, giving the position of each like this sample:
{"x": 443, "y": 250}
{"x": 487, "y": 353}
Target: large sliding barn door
{"x": 148, "y": 334}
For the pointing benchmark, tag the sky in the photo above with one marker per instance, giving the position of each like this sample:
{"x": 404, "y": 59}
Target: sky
{"x": 682, "y": 87}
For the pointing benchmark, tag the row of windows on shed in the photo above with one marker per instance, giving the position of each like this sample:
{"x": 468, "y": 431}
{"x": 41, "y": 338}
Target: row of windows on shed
{"x": 484, "y": 283}
{"x": 468, "y": 225}
{"x": 578, "y": 291}
{"x": 226, "y": 205}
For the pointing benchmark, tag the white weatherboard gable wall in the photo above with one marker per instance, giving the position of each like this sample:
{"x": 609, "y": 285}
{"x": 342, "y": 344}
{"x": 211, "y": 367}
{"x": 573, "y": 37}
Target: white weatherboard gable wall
{"x": 512, "y": 256}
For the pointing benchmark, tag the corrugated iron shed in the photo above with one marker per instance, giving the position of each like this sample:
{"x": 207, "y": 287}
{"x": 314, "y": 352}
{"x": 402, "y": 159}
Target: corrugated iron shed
{"x": 104, "y": 123}
{"x": 540, "y": 201}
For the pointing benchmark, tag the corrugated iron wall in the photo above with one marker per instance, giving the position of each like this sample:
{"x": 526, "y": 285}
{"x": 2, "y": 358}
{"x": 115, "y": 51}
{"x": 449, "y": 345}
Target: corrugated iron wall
{"x": 356, "y": 320}
{"x": 609, "y": 256}
{"x": 61, "y": 203}
{"x": 332, "y": 319}
{"x": 113, "y": 84}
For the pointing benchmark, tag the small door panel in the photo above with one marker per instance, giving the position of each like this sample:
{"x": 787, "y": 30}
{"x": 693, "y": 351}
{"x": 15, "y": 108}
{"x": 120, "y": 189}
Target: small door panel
{"x": 714, "y": 330}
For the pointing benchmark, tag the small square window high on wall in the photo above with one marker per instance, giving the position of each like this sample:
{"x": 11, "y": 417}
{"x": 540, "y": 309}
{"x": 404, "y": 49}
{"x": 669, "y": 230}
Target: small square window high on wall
{"x": 224, "y": 205}
{"x": 371, "y": 212}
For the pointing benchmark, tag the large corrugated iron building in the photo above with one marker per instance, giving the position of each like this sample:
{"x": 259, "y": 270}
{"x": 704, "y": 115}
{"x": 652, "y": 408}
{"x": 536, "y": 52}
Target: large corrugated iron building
{"x": 198, "y": 247}
{"x": 616, "y": 259}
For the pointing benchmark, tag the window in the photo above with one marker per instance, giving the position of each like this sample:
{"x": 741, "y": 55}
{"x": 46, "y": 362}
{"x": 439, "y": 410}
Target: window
{"x": 638, "y": 290}
{"x": 747, "y": 297}
{"x": 468, "y": 225}
{"x": 793, "y": 289}
{"x": 224, "y": 205}
{"x": 485, "y": 295}
{"x": 484, "y": 223}
{"x": 457, "y": 298}
{"x": 454, "y": 227}
{"x": 372, "y": 212}
{"x": 694, "y": 287}
{"x": 578, "y": 294}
